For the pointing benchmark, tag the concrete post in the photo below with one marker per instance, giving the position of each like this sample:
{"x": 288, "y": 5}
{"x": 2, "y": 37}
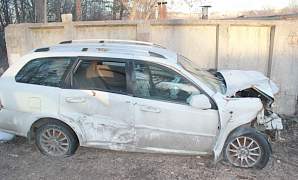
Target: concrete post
{"x": 222, "y": 45}
{"x": 271, "y": 47}
{"x": 144, "y": 31}
{"x": 68, "y": 26}
{"x": 16, "y": 38}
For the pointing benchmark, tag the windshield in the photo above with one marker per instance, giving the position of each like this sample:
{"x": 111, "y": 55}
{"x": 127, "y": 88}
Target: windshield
{"x": 214, "y": 80}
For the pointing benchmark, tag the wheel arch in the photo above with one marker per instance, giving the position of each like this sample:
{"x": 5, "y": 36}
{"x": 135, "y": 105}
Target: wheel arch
{"x": 241, "y": 130}
{"x": 41, "y": 121}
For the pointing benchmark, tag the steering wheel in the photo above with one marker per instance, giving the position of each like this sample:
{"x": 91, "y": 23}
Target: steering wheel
{"x": 174, "y": 92}
{"x": 157, "y": 82}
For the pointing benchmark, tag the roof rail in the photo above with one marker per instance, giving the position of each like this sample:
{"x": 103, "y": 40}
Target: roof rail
{"x": 104, "y": 41}
{"x": 42, "y": 49}
{"x": 66, "y": 42}
{"x": 111, "y": 41}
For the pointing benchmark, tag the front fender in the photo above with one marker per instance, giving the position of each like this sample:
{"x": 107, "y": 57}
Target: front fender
{"x": 245, "y": 130}
{"x": 235, "y": 113}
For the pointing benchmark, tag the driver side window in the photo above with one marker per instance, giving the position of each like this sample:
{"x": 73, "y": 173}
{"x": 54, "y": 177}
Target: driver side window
{"x": 153, "y": 81}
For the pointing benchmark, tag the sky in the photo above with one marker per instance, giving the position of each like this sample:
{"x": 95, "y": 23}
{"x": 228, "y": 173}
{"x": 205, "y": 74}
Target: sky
{"x": 228, "y": 5}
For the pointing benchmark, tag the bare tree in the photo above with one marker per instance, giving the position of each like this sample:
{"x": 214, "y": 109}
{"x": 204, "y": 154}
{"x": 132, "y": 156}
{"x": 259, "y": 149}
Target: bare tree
{"x": 5, "y": 6}
{"x": 123, "y": 7}
{"x": 16, "y": 8}
{"x": 41, "y": 10}
{"x": 13, "y": 11}
{"x": 142, "y": 9}
{"x": 5, "y": 19}
{"x": 78, "y": 11}
{"x": 22, "y": 11}
{"x": 115, "y": 7}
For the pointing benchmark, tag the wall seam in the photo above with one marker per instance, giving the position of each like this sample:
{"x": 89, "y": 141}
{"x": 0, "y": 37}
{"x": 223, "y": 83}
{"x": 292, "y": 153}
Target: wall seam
{"x": 271, "y": 47}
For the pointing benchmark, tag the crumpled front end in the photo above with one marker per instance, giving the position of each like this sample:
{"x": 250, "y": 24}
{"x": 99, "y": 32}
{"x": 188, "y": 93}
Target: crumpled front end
{"x": 243, "y": 84}
{"x": 267, "y": 119}
{"x": 269, "y": 122}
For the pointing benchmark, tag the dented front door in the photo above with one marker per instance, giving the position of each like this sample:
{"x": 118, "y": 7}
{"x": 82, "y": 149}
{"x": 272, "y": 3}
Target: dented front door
{"x": 174, "y": 128}
{"x": 164, "y": 120}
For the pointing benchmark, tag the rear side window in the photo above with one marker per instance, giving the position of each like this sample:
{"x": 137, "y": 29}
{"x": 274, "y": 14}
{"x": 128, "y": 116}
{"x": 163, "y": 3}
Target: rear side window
{"x": 101, "y": 75}
{"x": 44, "y": 71}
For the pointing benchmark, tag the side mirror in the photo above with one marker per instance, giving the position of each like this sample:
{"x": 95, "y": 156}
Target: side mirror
{"x": 200, "y": 101}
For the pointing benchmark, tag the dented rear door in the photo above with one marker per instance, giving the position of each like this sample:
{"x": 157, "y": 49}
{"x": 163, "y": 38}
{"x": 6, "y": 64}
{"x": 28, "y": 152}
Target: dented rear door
{"x": 103, "y": 117}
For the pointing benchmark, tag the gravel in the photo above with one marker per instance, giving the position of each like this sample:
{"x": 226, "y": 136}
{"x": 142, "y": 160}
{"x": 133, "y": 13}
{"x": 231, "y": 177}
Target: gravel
{"x": 20, "y": 160}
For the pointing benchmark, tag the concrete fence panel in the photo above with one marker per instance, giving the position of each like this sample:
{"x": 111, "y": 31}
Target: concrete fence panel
{"x": 41, "y": 37}
{"x": 248, "y": 48}
{"x": 106, "y": 32}
{"x": 270, "y": 47}
{"x": 284, "y": 65}
{"x": 198, "y": 43}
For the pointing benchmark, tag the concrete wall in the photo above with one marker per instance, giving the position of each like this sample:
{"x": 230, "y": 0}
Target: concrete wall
{"x": 267, "y": 46}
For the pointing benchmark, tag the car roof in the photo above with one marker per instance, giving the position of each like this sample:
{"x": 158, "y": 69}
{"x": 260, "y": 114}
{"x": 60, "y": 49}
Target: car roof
{"x": 136, "y": 49}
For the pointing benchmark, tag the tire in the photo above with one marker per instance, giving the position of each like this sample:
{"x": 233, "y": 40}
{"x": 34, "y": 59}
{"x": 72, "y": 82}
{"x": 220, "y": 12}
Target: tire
{"x": 256, "y": 148}
{"x": 56, "y": 139}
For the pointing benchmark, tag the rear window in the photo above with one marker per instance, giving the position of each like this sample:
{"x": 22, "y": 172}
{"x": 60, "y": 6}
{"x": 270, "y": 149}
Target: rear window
{"x": 45, "y": 71}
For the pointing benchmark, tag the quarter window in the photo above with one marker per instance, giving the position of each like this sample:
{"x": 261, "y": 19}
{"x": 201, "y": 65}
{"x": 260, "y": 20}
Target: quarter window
{"x": 101, "y": 75}
{"x": 153, "y": 81}
{"x": 44, "y": 71}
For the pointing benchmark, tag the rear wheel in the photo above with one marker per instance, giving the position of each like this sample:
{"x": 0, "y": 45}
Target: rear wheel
{"x": 56, "y": 139}
{"x": 250, "y": 150}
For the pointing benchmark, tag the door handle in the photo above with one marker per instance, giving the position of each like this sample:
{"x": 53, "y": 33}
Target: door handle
{"x": 75, "y": 99}
{"x": 150, "y": 109}
{"x": 130, "y": 102}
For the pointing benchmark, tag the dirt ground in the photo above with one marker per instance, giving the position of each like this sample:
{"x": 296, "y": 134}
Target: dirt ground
{"x": 20, "y": 160}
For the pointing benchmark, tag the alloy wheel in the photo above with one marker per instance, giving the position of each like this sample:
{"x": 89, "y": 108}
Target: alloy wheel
{"x": 54, "y": 142}
{"x": 244, "y": 152}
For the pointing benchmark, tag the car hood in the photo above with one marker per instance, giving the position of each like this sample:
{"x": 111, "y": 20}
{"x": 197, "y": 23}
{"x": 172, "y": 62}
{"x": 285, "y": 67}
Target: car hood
{"x": 237, "y": 80}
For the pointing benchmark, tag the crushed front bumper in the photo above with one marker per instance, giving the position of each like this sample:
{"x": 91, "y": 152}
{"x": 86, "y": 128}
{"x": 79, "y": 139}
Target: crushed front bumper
{"x": 270, "y": 122}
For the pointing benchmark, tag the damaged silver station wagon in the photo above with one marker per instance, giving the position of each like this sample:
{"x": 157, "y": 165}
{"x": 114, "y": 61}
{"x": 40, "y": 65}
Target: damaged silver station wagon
{"x": 136, "y": 96}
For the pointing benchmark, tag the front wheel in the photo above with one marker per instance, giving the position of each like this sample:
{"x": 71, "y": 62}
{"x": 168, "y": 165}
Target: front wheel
{"x": 250, "y": 150}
